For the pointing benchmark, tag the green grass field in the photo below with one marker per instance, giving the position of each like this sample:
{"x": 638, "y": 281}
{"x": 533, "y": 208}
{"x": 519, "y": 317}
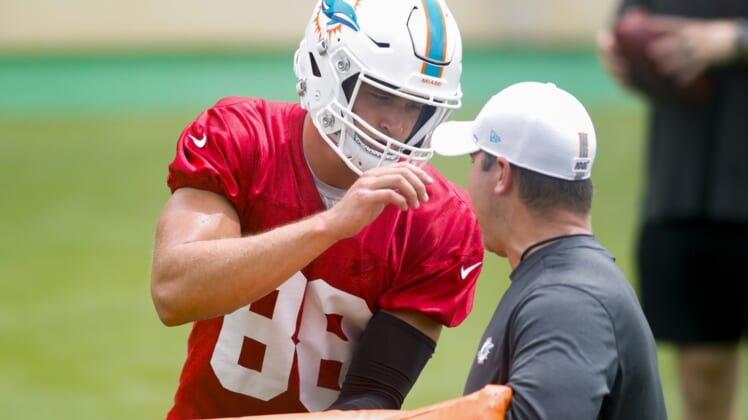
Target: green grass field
{"x": 85, "y": 144}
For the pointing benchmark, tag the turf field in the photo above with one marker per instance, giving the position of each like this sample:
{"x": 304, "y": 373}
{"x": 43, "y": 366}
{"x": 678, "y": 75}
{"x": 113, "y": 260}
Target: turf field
{"x": 85, "y": 143}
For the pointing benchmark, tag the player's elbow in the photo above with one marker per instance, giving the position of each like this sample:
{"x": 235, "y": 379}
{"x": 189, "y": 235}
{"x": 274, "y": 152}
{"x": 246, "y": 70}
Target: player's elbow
{"x": 164, "y": 308}
{"x": 166, "y": 301}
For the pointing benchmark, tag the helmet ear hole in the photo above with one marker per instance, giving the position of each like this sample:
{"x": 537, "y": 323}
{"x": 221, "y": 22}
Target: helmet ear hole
{"x": 315, "y": 67}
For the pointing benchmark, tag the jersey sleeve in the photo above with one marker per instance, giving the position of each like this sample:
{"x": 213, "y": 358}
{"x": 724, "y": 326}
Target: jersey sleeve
{"x": 563, "y": 359}
{"x": 439, "y": 269}
{"x": 209, "y": 155}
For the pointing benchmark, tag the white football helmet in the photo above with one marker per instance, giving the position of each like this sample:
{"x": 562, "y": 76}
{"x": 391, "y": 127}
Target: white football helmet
{"x": 408, "y": 48}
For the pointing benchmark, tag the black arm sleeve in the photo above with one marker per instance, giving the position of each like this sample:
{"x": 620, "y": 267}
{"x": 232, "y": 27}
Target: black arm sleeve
{"x": 390, "y": 355}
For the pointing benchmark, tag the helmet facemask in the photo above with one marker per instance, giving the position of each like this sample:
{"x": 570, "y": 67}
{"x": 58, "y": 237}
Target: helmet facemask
{"x": 364, "y": 146}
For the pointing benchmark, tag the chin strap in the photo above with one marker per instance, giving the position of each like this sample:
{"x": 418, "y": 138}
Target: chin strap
{"x": 390, "y": 355}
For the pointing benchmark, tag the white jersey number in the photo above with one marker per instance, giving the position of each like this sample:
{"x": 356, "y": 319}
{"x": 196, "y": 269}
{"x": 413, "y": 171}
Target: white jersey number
{"x": 315, "y": 342}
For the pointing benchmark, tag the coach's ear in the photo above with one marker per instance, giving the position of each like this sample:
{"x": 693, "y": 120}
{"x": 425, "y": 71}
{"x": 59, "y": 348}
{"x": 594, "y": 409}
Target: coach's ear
{"x": 503, "y": 176}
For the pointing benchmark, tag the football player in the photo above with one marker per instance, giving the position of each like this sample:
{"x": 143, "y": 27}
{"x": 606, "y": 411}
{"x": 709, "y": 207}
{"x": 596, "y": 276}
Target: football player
{"x": 312, "y": 246}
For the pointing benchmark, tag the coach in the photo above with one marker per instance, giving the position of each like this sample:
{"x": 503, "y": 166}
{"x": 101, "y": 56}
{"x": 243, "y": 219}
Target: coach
{"x": 569, "y": 336}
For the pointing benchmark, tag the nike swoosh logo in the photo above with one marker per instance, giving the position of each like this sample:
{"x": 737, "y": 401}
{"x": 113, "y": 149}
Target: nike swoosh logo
{"x": 465, "y": 271}
{"x": 199, "y": 142}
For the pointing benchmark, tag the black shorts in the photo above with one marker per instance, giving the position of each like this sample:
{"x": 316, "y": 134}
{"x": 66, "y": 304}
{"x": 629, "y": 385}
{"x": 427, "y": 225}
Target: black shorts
{"x": 693, "y": 278}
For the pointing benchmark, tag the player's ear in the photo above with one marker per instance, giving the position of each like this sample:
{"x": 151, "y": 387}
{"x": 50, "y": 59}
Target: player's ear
{"x": 504, "y": 175}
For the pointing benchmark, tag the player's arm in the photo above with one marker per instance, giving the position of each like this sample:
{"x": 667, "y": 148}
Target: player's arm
{"x": 388, "y": 359}
{"x": 203, "y": 267}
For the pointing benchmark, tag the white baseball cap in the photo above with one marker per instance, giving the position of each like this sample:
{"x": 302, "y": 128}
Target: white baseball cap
{"x": 536, "y": 126}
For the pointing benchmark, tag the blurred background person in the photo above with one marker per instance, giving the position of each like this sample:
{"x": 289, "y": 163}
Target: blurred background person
{"x": 692, "y": 71}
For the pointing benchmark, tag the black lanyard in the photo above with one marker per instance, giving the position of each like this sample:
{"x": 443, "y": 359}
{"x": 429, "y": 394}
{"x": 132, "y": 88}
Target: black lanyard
{"x": 545, "y": 241}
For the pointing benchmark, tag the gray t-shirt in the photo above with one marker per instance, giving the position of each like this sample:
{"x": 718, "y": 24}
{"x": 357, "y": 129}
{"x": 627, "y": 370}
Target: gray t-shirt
{"x": 570, "y": 339}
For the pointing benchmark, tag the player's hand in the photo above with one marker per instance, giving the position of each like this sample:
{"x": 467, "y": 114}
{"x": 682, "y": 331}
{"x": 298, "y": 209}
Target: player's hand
{"x": 402, "y": 185}
{"x": 689, "y": 46}
{"x": 611, "y": 59}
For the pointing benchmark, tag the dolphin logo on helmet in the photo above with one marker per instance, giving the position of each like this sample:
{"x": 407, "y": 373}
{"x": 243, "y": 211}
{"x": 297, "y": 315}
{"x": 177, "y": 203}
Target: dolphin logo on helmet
{"x": 340, "y": 12}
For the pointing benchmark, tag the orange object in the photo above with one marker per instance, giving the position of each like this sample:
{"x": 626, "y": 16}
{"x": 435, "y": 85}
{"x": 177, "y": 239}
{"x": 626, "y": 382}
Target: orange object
{"x": 489, "y": 403}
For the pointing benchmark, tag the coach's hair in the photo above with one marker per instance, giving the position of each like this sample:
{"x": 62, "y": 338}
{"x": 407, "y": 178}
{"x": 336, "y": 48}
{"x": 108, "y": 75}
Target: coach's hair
{"x": 544, "y": 194}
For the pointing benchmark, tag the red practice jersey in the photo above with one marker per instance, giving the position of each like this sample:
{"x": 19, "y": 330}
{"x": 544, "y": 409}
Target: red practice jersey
{"x": 289, "y": 351}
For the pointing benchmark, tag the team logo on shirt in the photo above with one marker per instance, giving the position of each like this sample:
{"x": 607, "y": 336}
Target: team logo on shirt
{"x": 485, "y": 350}
{"x": 339, "y": 13}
